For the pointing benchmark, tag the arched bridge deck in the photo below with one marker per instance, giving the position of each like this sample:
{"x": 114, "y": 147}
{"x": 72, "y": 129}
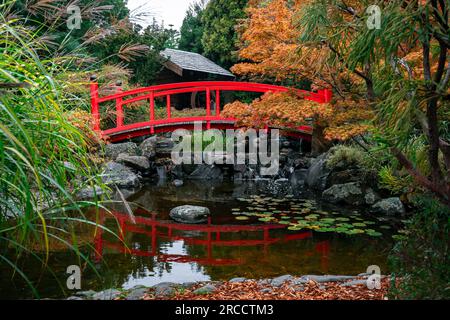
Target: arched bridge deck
{"x": 212, "y": 89}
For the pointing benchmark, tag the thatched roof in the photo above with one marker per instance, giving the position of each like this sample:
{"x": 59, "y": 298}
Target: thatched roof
{"x": 182, "y": 60}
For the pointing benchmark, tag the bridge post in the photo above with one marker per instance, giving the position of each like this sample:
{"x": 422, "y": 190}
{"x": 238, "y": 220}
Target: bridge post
{"x": 152, "y": 111}
{"x": 208, "y": 107}
{"x": 217, "y": 103}
{"x": 94, "y": 103}
{"x": 119, "y": 106}
{"x": 168, "y": 107}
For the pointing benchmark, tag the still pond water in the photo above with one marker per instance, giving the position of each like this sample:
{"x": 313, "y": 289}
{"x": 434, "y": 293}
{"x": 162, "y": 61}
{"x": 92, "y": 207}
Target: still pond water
{"x": 250, "y": 234}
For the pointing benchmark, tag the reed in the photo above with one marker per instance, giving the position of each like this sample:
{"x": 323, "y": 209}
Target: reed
{"x": 44, "y": 158}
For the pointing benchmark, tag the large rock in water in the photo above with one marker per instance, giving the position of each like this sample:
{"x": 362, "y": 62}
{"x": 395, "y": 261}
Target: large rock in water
{"x": 113, "y": 150}
{"x": 189, "y": 214}
{"x": 389, "y": 206}
{"x": 349, "y": 193}
{"x": 116, "y": 174}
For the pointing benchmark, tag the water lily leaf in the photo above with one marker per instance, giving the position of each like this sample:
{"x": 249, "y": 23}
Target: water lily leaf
{"x": 242, "y": 218}
{"x": 342, "y": 219}
{"x": 359, "y": 224}
{"x": 284, "y": 222}
{"x": 374, "y": 234}
{"x": 345, "y": 225}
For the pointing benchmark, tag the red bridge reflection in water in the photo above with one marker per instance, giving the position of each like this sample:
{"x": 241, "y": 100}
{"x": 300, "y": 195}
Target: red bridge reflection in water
{"x": 213, "y": 238}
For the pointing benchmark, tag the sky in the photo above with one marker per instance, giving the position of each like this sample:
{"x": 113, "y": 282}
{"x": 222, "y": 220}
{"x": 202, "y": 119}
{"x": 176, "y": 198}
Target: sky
{"x": 171, "y": 11}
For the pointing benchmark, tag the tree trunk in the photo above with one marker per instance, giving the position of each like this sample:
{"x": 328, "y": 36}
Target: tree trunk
{"x": 319, "y": 144}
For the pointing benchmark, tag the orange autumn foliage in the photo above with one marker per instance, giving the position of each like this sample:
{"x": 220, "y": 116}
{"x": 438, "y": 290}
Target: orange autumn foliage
{"x": 269, "y": 43}
{"x": 271, "y": 50}
{"x": 341, "y": 120}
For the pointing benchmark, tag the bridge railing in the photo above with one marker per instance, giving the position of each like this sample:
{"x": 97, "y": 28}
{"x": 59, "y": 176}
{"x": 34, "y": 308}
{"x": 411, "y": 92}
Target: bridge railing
{"x": 123, "y": 98}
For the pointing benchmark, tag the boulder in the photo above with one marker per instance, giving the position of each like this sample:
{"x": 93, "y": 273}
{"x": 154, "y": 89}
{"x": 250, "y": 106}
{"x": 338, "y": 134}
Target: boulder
{"x": 298, "y": 177}
{"x": 206, "y": 289}
{"x": 137, "y": 293}
{"x": 325, "y": 278}
{"x": 148, "y": 147}
{"x": 113, "y": 150}
{"x": 318, "y": 173}
{"x": 109, "y": 294}
{"x": 189, "y": 214}
{"x": 278, "y": 281}
{"x": 206, "y": 172}
{"x": 340, "y": 176}
{"x": 371, "y": 197}
{"x": 237, "y": 280}
{"x": 116, "y": 174}
{"x": 164, "y": 147}
{"x": 349, "y": 193}
{"x": 389, "y": 206}
{"x": 139, "y": 163}
{"x": 164, "y": 289}
{"x": 354, "y": 283}
{"x": 90, "y": 193}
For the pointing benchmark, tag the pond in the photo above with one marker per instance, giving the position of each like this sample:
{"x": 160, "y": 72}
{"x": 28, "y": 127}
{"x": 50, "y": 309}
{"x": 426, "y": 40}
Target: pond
{"x": 250, "y": 234}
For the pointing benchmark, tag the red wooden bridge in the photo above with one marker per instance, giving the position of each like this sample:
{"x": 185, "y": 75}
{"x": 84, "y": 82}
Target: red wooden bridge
{"x": 211, "y": 119}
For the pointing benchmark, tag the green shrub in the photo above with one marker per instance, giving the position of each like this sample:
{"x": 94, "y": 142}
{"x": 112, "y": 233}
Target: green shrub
{"x": 421, "y": 261}
{"x": 345, "y": 155}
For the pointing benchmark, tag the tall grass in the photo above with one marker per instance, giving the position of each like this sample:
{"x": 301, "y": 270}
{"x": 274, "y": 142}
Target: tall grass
{"x": 43, "y": 156}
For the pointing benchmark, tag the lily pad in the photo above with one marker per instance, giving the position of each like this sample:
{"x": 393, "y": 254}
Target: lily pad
{"x": 242, "y": 218}
{"x": 359, "y": 224}
{"x": 374, "y": 234}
